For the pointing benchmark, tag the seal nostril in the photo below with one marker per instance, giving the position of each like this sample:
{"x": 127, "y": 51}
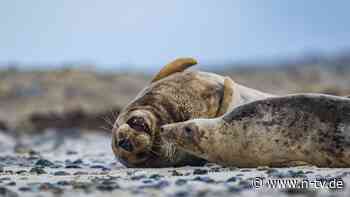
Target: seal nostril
{"x": 126, "y": 145}
{"x": 162, "y": 130}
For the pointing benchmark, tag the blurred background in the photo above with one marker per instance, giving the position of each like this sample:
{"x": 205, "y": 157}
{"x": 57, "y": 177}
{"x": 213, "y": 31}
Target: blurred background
{"x": 65, "y": 64}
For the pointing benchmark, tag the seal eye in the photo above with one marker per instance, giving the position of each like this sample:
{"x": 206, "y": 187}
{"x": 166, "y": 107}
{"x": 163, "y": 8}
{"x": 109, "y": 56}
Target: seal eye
{"x": 139, "y": 124}
{"x": 188, "y": 130}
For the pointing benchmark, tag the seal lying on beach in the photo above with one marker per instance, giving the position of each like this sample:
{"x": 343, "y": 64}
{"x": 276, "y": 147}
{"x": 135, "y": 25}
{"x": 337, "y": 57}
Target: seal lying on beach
{"x": 174, "y": 95}
{"x": 279, "y": 131}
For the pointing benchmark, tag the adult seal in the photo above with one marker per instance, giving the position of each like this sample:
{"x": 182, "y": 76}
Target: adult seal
{"x": 174, "y": 95}
{"x": 279, "y": 131}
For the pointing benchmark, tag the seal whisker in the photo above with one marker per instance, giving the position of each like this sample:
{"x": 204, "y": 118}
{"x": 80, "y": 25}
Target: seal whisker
{"x": 108, "y": 121}
{"x": 104, "y": 128}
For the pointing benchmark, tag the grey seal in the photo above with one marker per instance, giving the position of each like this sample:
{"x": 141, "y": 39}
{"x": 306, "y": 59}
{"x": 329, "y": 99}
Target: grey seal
{"x": 174, "y": 95}
{"x": 279, "y": 131}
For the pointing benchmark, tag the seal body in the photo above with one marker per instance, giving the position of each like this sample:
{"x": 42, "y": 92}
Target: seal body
{"x": 179, "y": 97}
{"x": 279, "y": 131}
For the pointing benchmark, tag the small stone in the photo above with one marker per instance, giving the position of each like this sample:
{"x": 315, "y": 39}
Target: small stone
{"x": 204, "y": 179}
{"x": 182, "y": 194}
{"x": 138, "y": 177}
{"x": 72, "y": 166}
{"x": 71, "y": 152}
{"x": 97, "y": 166}
{"x": 107, "y": 186}
{"x": 262, "y": 168}
{"x": 63, "y": 183}
{"x": 21, "y": 172}
{"x": 5, "y": 179}
{"x": 44, "y": 163}
{"x": 156, "y": 176}
{"x": 82, "y": 185}
{"x": 245, "y": 184}
{"x": 234, "y": 189}
{"x": 158, "y": 185}
{"x": 25, "y": 189}
{"x": 180, "y": 182}
{"x": 272, "y": 172}
{"x": 12, "y": 183}
{"x": 78, "y": 161}
{"x": 147, "y": 181}
{"x": 7, "y": 193}
{"x": 61, "y": 173}
{"x": 80, "y": 173}
{"x": 298, "y": 173}
{"x": 37, "y": 170}
{"x": 176, "y": 173}
{"x": 215, "y": 169}
{"x": 200, "y": 171}
{"x": 232, "y": 179}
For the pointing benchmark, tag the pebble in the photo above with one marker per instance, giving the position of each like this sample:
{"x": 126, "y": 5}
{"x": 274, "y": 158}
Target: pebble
{"x": 50, "y": 187}
{"x": 232, "y": 179}
{"x": 200, "y": 171}
{"x": 72, "y": 166}
{"x": 7, "y": 192}
{"x": 138, "y": 177}
{"x": 157, "y": 185}
{"x": 176, "y": 173}
{"x": 64, "y": 183}
{"x": 12, "y": 183}
{"x": 25, "y": 189}
{"x": 180, "y": 182}
{"x": 234, "y": 189}
{"x": 44, "y": 163}
{"x": 21, "y": 172}
{"x": 61, "y": 173}
{"x": 80, "y": 173}
{"x": 37, "y": 170}
{"x": 182, "y": 194}
{"x": 107, "y": 185}
{"x": 82, "y": 185}
{"x": 204, "y": 179}
{"x": 155, "y": 176}
{"x": 78, "y": 161}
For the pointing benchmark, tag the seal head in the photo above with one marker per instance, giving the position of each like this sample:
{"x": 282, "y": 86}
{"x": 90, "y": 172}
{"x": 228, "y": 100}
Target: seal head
{"x": 192, "y": 135}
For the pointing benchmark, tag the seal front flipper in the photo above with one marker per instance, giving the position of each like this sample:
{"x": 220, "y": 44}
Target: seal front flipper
{"x": 175, "y": 66}
{"x": 230, "y": 97}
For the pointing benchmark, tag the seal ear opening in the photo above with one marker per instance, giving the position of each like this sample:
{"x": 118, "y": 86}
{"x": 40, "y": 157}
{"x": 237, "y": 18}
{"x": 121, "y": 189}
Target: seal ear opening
{"x": 229, "y": 98}
{"x": 177, "y": 65}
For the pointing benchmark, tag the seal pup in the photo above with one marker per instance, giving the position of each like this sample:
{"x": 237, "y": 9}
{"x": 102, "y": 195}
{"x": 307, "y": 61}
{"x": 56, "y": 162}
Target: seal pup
{"x": 174, "y": 95}
{"x": 279, "y": 131}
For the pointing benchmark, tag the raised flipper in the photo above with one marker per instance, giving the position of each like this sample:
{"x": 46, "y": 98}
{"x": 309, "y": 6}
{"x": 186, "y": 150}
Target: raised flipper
{"x": 230, "y": 97}
{"x": 175, "y": 66}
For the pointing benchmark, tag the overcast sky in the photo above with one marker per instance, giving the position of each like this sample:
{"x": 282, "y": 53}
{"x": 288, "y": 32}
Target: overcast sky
{"x": 150, "y": 33}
